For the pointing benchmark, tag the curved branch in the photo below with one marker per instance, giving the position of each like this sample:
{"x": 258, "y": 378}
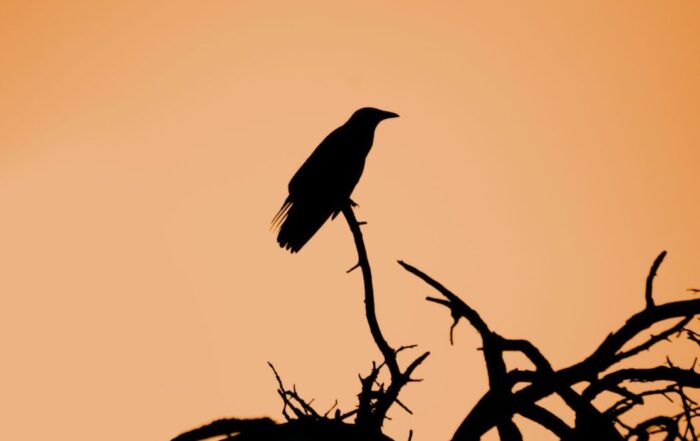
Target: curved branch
{"x": 374, "y": 405}
{"x": 499, "y": 407}
{"x": 654, "y": 339}
{"x": 684, "y": 377}
{"x": 456, "y": 305}
{"x": 650, "y": 279}
{"x": 387, "y": 352}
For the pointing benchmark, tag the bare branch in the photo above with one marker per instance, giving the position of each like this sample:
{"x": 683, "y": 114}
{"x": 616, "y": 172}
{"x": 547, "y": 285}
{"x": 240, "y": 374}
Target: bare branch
{"x": 374, "y": 404}
{"x": 654, "y": 340}
{"x": 386, "y": 350}
{"x": 650, "y": 279}
{"x": 684, "y": 377}
{"x": 456, "y": 305}
{"x": 605, "y": 356}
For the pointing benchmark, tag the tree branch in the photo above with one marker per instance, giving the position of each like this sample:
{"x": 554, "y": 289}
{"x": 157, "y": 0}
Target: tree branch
{"x": 654, "y": 339}
{"x": 684, "y": 377}
{"x": 372, "y": 412}
{"x": 387, "y": 352}
{"x": 650, "y": 279}
{"x": 457, "y": 305}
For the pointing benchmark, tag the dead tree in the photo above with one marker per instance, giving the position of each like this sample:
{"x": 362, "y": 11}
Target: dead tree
{"x": 519, "y": 391}
{"x": 511, "y": 391}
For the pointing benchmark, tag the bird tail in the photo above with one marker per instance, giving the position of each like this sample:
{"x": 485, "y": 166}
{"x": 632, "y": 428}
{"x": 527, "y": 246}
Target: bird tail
{"x": 298, "y": 222}
{"x": 281, "y": 215}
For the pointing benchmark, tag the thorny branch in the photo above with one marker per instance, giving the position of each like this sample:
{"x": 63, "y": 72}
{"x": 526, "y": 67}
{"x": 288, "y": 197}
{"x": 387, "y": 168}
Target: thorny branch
{"x": 374, "y": 402}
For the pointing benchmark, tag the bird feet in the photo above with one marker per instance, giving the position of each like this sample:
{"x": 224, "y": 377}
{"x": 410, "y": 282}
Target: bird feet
{"x": 354, "y": 204}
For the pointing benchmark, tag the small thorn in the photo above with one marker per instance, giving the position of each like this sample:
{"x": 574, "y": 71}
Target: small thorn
{"x": 353, "y": 268}
{"x": 361, "y": 223}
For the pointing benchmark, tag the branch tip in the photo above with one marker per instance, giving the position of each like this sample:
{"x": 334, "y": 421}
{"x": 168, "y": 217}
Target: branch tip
{"x": 648, "y": 294}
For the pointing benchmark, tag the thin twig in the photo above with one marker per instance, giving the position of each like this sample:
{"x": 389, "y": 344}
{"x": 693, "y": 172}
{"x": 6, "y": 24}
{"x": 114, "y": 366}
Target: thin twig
{"x": 654, "y": 339}
{"x": 650, "y": 279}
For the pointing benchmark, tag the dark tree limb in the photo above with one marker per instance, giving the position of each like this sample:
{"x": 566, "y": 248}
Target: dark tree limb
{"x": 502, "y": 402}
{"x": 500, "y": 394}
{"x": 458, "y": 308}
{"x": 604, "y": 356}
{"x": 370, "y": 310}
{"x": 678, "y": 327}
{"x": 374, "y": 404}
{"x": 548, "y": 420}
{"x": 684, "y": 377}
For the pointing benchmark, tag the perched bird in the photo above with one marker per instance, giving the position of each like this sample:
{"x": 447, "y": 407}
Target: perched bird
{"x": 323, "y": 184}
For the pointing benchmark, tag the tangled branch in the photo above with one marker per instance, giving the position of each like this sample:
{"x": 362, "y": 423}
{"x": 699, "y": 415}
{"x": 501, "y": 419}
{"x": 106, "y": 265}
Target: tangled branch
{"x": 302, "y": 420}
{"x": 517, "y": 392}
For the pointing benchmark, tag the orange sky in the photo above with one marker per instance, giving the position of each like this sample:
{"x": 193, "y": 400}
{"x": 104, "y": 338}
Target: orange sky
{"x": 545, "y": 154}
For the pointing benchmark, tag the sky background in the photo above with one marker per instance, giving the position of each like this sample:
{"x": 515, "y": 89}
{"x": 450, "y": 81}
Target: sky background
{"x": 546, "y": 153}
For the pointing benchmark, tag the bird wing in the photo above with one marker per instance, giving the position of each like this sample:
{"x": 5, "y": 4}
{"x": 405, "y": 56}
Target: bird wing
{"x": 321, "y": 166}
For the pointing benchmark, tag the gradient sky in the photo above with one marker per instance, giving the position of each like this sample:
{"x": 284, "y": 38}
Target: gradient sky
{"x": 545, "y": 154}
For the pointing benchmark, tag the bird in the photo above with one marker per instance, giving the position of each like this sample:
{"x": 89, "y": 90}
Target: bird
{"x": 322, "y": 186}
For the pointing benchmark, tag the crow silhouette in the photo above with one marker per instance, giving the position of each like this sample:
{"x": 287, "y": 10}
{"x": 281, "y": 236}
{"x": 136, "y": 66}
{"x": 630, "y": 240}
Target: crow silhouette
{"x": 323, "y": 184}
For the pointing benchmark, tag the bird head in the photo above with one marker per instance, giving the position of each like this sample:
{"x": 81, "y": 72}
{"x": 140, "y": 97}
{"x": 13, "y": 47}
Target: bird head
{"x": 369, "y": 116}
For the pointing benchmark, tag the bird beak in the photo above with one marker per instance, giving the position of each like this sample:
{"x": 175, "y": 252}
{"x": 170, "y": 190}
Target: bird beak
{"x": 387, "y": 115}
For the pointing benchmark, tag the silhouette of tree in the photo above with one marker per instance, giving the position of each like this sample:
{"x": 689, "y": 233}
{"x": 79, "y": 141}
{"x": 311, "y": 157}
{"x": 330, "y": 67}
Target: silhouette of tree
{"x": 517, "y": 392}
{"x": 610, "y": 370}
